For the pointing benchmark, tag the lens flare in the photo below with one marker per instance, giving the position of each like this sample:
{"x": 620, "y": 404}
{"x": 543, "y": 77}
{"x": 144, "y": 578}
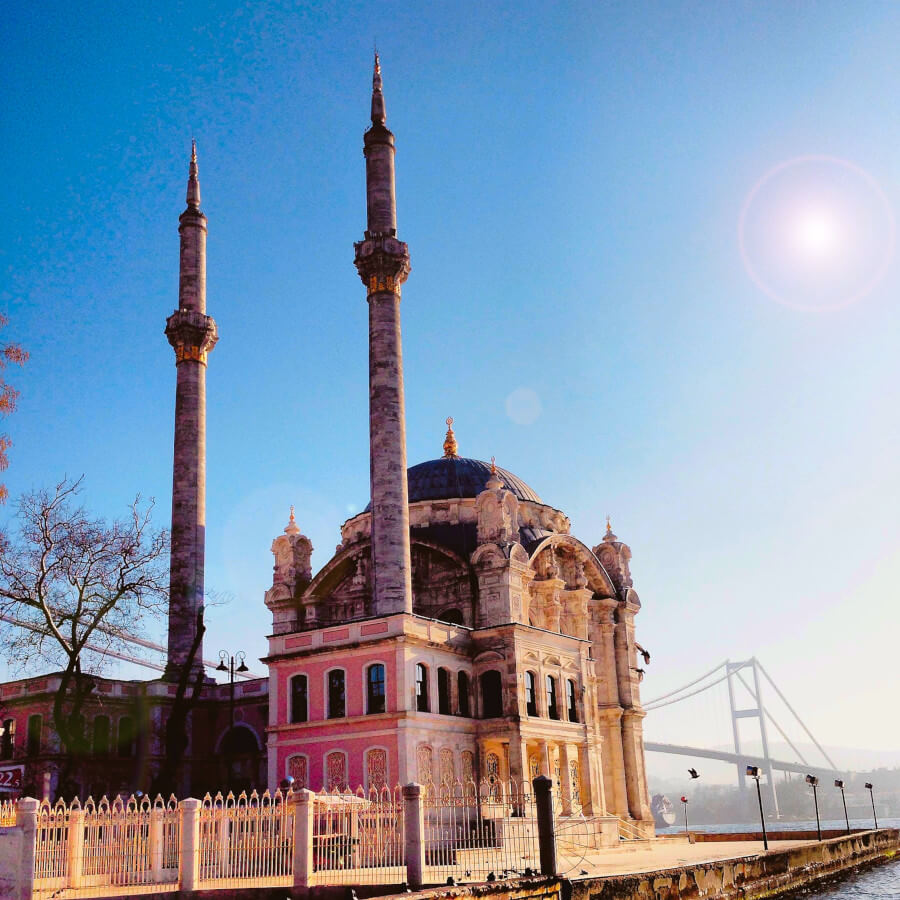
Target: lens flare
{"x": 816, "y": 232}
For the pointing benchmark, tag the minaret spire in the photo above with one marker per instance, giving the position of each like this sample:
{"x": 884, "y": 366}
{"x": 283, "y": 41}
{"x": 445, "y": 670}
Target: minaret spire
{"x": 193, "y": 185}
{"x": 383, "y": 265}
{"x": 192, "y": 335}
{"x": 378, "y": 116}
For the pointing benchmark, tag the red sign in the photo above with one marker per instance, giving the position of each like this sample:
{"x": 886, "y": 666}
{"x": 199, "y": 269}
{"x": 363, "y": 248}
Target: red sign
{"x": 11, "y": 778}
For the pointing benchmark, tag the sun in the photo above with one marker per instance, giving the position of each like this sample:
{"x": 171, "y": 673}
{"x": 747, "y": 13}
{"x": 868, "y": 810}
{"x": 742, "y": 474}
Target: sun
{"x": 815, "y": 233}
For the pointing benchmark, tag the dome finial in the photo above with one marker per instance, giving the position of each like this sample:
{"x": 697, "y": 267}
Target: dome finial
{"x": 609, "y": 536}
{"x": 494, "y": 483}
{"x": 450, "y": 445}
{"x": 493, "y": 465}
{"x": 292, "y": 527}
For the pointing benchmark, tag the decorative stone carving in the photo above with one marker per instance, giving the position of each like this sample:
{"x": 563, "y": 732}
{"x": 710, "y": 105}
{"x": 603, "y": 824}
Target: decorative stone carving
{"x": 498, "y": 513}
{"x": 336, "y": 771}
{"x": 298, "y": 769}
{"x": 376, "y": 768}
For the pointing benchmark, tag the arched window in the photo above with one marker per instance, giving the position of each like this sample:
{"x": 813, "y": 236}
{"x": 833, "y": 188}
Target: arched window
{"x": 462, "y": 692}
{"x": 298, "y": 769}
{"x": 531, "y": 694}
{"x": 8, "y": 740}
{"x": 101, "y": 736}
{"x": 337, "y": 704}
{"x": 336, "y": 770}
{"x": 552, "y": 708}
{"x": 451, "y": 617}
{"x": 421, "y": 688}
{"x": 299, "y": 698}
{"x": 491, "y": 694}
{"x": 376, "y": 768}
{"x": 375, "y": 689}
{"x": 444, "y": 692}
{"x": 33, "y": 738}
{"x": 126, "y": 737}
{"x": 571, "y": 702}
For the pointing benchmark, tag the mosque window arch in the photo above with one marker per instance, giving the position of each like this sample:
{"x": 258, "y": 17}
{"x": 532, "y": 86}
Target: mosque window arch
{"x": 100, "y": 741}
{"x": 298, "y": 769}
{"x": 462, "y": 693}
{"x": 443, "y": 684}
{"x": 448, "y": 766}
{"x": 571, "y": 701}
{"x": 375, "y": 689}
{"x": 531, "y": 707}
{"x": 336, "y": 770}
{"x": 376, "y": 768}
{"x": 491, "y": 694}
{"x": 8, "y": 740}
{"x": 552, "y": 700}
{"x": 125, "y": 742}
{"x": 467, "y": 758}
{"x": 422, "y": 704}
{"x": 336, "y": 681}
{"x": 425, "y": 764}
{"x": 299, "y": 698}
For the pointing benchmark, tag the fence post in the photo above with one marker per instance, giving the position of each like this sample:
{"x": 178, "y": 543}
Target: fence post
{"x": 156, "y": 843}
{"x": 415, "y": 835}
{"x": 543, "y": 797}
{"x": 26, "y": 819}
{"x": 74, "y": 847}
{"x": 189, "y": 856}
{"x": 303, "y": 803}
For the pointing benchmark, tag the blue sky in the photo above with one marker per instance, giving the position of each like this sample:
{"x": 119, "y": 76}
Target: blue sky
{"x": 570, "y": 179}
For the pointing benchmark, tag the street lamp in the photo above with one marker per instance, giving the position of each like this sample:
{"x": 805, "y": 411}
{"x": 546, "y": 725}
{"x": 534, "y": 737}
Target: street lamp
{"x": 838, "y": 783}
{"x": 753, "y": 772}
{"x": 684, "y": 801}
{"x": 872, "y": 796}
{"x": 226, "y": 664}
{"x": 814, "y": 783}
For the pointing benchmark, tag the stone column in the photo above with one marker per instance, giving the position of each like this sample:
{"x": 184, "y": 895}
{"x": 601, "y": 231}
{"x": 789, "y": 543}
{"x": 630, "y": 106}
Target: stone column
{"x": 192, "y": 335}
{"x": 565, "y": 777}
{"x": 545, "y": 758}
{"x": 414, "y": 824}
{"x": 383, "y": 265}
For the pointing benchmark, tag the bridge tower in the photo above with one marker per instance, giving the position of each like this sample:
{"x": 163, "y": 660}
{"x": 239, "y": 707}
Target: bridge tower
{"x": 758, "y": 711}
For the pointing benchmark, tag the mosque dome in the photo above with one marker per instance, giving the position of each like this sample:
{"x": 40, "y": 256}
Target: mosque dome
{"x": 452, "y": 477}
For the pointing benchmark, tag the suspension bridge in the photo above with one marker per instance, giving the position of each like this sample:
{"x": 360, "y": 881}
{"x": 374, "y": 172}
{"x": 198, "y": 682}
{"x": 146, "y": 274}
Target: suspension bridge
{"x": 745, "y": 701}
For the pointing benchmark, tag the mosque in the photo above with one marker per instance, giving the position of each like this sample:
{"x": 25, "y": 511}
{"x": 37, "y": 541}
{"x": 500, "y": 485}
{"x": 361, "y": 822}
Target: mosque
{"x": 460, "y": 631}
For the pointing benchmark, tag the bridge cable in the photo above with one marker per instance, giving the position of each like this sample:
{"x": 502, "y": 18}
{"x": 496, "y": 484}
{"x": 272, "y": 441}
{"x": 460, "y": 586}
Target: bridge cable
{"x": 685, "y": 686}
{"x": 791, "y": 708}
{"x": 705, "y": 687}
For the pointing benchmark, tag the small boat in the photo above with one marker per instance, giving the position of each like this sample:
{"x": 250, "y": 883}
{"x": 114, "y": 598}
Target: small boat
{"x": 663, "y": 812}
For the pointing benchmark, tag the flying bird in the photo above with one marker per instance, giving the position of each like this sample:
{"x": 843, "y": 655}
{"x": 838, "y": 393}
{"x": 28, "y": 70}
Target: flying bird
{"x": 693, "y": 773}
{"x": 643, "y": 653}
{"x": 640, "y": 673}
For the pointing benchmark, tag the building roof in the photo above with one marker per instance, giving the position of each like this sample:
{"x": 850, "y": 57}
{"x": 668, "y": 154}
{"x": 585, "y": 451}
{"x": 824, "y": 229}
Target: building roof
{"x": 449, "y": 478}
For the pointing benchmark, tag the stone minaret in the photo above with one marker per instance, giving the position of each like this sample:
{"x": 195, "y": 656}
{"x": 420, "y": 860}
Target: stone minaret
{"x": 383, "y": 265}
{"x": 192, "y": 335}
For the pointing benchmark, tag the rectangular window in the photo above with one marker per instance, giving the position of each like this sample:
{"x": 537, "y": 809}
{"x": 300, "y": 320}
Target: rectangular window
{"x": 375, "y": 689}
{"x": 336, "y": 696}
{"x": 552, "y": 709}
{"x": 126, "y": 737}
{"x": 530, "y": 694}
{"x": 299, "y": 699}
{"x": 443, "y": 692}
{"x": 101, "y": 736}
{"x": 421, "y": 688}
{"x": 8, "y": 740}
{"x": 571, "y": 702}
{"x": 462, "y": 691}
{"x": 33, "y": 739}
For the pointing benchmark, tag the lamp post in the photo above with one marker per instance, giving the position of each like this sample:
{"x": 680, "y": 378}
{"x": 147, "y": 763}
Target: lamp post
{"x": 226, "y": 664}
{"x": 753, "y": 772}
{"x": 872, "y": 797}
{"x": 838, "y": 783}
{"x": 684, "y": 801}
{"x": 814, "y": 783}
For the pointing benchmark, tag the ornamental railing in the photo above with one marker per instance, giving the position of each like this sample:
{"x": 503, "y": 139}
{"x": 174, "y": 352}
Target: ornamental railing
{"x": 465, "y": 831}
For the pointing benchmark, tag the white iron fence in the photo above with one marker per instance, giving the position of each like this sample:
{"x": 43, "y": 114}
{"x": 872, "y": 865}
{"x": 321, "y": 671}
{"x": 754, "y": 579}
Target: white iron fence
{"x": 476, "y": 832}
{"x": 382, "y": 836}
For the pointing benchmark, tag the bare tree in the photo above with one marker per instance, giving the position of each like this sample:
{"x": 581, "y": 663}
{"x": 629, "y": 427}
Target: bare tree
{"x": 9, "y": 354}
{"x": 72, "y": 588}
